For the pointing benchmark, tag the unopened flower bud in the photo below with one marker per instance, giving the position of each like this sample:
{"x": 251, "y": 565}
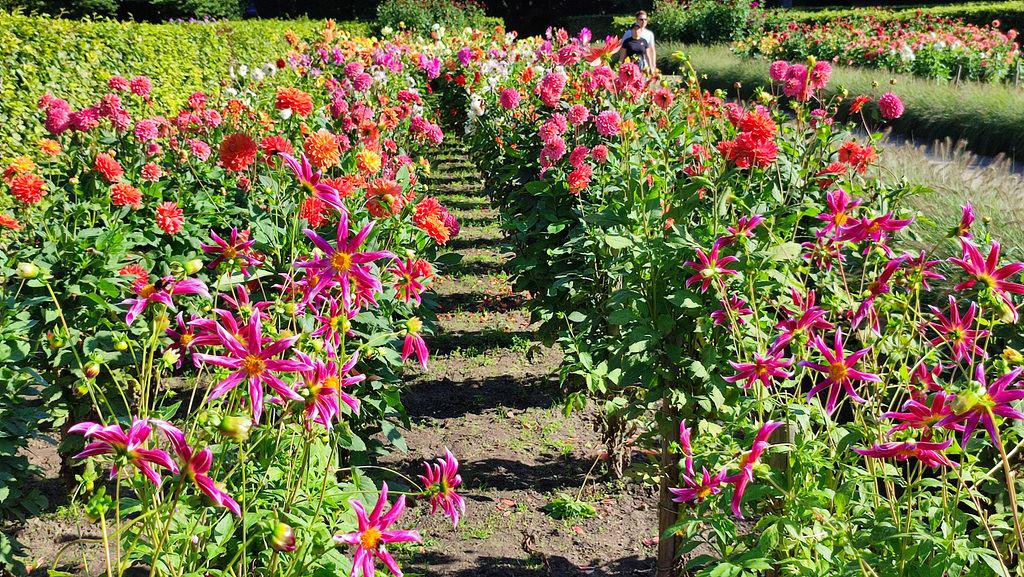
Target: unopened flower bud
{"x": 283, "y": 538}
{"x": 193, "y": 266}
{"x": 967, "y": 399}
{"x": 91, "y": 369}
{"x": 170, "y": 357}
{"x": 162, "y": 322}
{"x": 1012, "y": 356}
{"x": 27, "y": 271}
{"x": 235, "y": 427}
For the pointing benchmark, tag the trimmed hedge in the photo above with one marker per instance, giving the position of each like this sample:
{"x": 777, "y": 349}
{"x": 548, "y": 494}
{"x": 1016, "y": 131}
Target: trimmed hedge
{"x": 989, "y": 117}
{"x": 74, "y": 58}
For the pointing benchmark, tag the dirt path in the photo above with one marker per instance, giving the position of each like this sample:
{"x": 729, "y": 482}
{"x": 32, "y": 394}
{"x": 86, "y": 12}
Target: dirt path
{"x": 492, "y": 396}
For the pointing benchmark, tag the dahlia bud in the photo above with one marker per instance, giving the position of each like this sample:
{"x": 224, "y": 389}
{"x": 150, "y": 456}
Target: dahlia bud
{"x": 27, "y": 271}
{"x": 283, "y": 538}
{"x": 1012, "y": 356}
{"x": 161, "y": 322}
{"x": 54, "y": 341}
{"x": 967, "y": 398}
{"x": 170, "y": 357}
{"x": 91, "y": 369}
{"x": 235, "y": 427}
{"x": 193, "y": 266}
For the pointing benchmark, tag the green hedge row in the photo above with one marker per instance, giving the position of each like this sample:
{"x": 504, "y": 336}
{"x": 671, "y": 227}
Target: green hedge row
{"x": 989, "y": 117}
{"x": 1010, "y": 14}
{"x": 73, "y": 59}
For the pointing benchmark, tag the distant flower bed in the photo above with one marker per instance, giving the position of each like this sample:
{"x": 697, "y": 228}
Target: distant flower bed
{"x": 927, "y": 46}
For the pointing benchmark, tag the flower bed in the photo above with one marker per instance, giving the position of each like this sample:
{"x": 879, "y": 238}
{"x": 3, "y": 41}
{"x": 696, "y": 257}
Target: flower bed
{"x": 215, "y": 306}
{"x": 924, "y": 45}
{"x": 732, "y": 286}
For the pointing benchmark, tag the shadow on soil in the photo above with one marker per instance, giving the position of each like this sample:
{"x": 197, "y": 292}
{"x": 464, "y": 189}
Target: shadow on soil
{"x": 479, "y": 301}
{"x": 475, "y": 268}
{"x": 537, "y": 565}
{"x": 446, "y": 399}
{"x": 483, "y": 341}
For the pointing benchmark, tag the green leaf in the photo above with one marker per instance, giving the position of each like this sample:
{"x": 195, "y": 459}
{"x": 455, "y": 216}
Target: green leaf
{"x": 615, "y": 241}
{"x": 621, "y": 317}
{"x": 685, "y": 299}
{"x": 785, "y": 251}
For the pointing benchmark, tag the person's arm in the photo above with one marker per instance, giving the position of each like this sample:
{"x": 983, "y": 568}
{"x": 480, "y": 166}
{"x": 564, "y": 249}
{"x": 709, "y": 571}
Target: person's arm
{"x": 654, "y": 55}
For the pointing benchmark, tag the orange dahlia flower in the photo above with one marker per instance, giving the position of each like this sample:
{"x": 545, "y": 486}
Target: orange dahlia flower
{"x": 322, "y": 149}
{"x": 368, "y": 161}
{"x": 298, "y": 101}
{"x": 28, "y": 188}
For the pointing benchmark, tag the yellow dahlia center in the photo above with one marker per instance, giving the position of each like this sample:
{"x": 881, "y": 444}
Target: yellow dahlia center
{"x": 840, "y": 218}
{"x": 253, "y": 366}
{"x": 414, "y": 325}
{"x": 703, "y": 492}
{"x": 761, "y": 370}
{"x": 147, "y": 290}
{"x": 330, "y": 383}
{"x": 230, "y": 252}
{"x": 369, "y": 538}
{"x": 186, "y": 339}
{"x": 875, "y": 227}
{"x": 837, "y": 372}
{"x": 341, "y": 261}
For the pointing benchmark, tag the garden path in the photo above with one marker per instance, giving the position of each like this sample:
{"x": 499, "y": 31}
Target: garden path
{"x": 492, "y": 396}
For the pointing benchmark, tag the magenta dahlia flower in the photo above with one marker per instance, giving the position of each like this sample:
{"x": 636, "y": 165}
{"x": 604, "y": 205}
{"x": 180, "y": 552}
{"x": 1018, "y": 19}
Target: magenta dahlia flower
{"x": 982, "y": 402}
{"x": 987, "y": 272}
{"x": 928, "y": 453}
{"x": 373, "y": 534}
{"x": 747, "y": 463}
{"x": 342, "y": 262}
{"x": 196, "y": 466}
{"x": 126, "y": 448}
{"x": 253, "y": 363}
{"x": 840, "y": 371}
{"x": 440, "y": 483}
{"x": 161, "y": 292}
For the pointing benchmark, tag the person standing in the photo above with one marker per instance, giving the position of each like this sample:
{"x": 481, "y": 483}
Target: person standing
{"x": 650, "y": 59}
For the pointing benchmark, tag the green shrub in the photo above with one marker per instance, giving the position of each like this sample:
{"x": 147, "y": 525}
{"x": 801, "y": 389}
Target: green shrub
{"x": 600, "y": 25}
{"x": 700, "y": 21}
{"x": 421, "y": 15}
